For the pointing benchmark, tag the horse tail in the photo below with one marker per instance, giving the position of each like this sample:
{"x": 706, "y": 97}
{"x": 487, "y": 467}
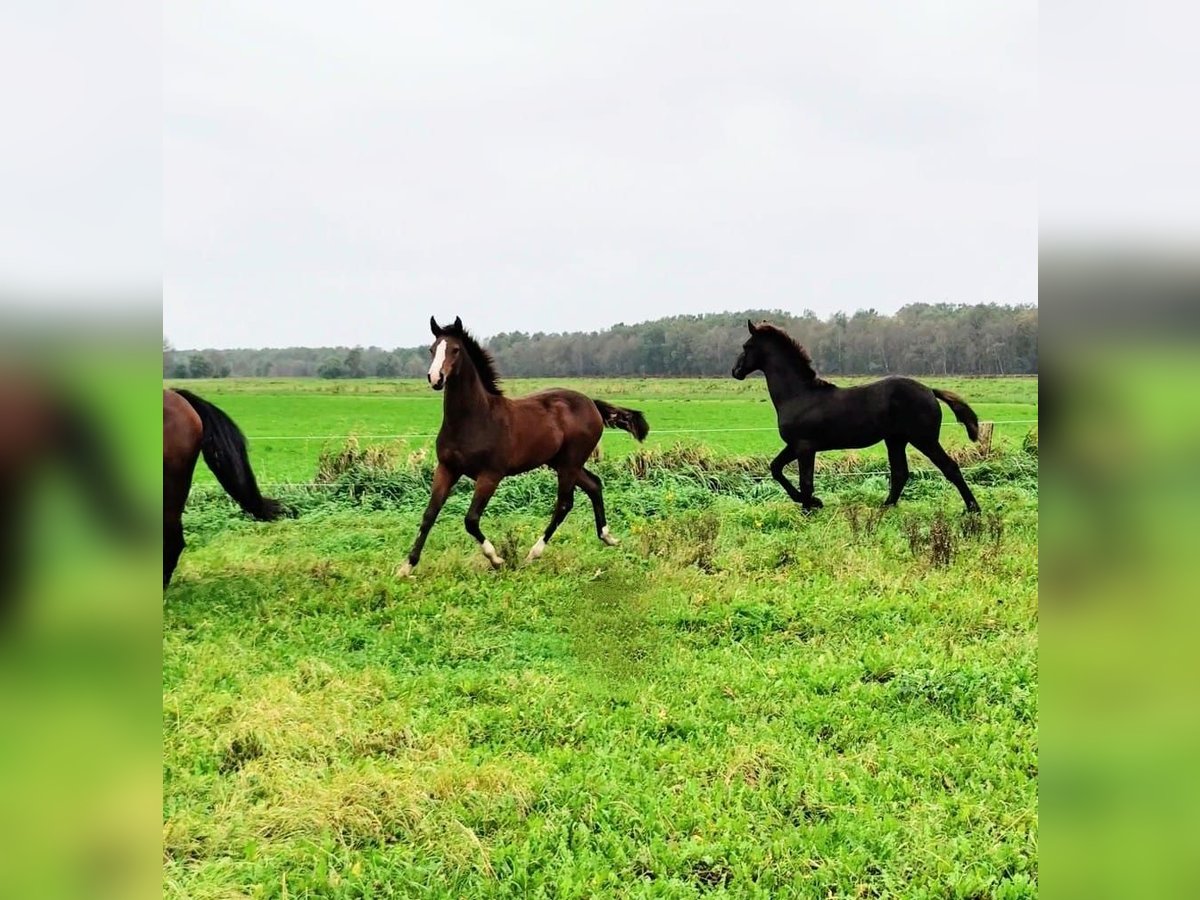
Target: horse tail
{"x": 961, "y": 411}
{"x": 224, "y": 449}
{"x": 618, "y": 417}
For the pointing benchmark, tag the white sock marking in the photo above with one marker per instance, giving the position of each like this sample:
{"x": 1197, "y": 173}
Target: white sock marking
{"x": 608, "y": 538}
{"x": 490, "y": 552}
{"x": 439, "y": 357}
{"x": 537, "y": 549}
{"x": 405, "y": 570}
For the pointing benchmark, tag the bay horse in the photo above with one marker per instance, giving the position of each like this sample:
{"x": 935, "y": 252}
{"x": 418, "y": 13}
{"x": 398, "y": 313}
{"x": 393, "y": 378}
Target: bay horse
{"x": 487, "y": 436}
{"x": 191, "y": 427}
{"x": 816, "y": 415}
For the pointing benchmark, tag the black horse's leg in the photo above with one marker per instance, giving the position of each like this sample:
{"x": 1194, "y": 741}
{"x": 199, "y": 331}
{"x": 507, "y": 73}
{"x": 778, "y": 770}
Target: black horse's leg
{"x": 590, "y": 484}
{"x": 485, "y": 486}
{"x": 562, "y": 506}
{"x": 898, "y": 462}
{"x": 778, "y": 464}
{"x": 806, "y": 459}
{"x": 443, "y": 482}
{"x": 953, "y": 473}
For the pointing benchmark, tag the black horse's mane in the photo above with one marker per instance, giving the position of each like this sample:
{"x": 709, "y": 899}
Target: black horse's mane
{"x": 482, "y": 360}
{"x": 793, "y": 349}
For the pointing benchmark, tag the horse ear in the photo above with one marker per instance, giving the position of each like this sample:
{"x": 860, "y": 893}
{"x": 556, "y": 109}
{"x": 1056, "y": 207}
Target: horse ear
{"x": 750, "y": 325}
{"x": 435, "y": 327}
{"x": 457, "y": 324}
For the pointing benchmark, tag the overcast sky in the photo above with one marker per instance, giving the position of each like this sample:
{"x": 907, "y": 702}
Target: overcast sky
{"x": 335, "y": 173}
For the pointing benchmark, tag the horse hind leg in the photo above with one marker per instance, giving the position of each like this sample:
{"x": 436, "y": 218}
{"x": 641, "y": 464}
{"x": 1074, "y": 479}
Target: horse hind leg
{"x": 177, "y": 484}
{"x": 898, "y": 463}
{"x": 591, "y": 485}
{"x": 940, "y": 458}
{"x": 485, "y": 486}
{"x": 562, "y": 506}
{"x": 173, "y": 544}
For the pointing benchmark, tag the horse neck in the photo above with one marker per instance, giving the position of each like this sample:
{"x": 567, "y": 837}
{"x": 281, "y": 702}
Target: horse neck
{"x": 465, "y": 396}
{"x": 785, "y": 380}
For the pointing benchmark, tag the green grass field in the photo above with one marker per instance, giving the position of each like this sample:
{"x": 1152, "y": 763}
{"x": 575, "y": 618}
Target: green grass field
{"x": 740, "y": 700}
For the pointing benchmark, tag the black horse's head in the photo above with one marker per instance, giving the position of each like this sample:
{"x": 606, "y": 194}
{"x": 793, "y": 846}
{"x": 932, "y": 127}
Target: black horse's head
{"x": 752, "y": 355}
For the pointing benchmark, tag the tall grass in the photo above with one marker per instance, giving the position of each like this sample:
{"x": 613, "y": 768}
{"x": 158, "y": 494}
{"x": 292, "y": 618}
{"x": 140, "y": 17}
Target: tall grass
{"x": 644, "y": 483}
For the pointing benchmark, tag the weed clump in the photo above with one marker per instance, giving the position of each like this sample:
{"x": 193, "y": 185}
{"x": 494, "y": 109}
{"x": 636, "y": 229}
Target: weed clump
{"x": 352, "y": 458}
{"x": 941, "y": 541}
{"x": 689, "y": 539}
{"x": 508, "y": 546}
{"x": 935, "y": 543}
{"x": 863, "y": 520}
{"x": 241, "y": 750}
{"x": 378, "y": 469}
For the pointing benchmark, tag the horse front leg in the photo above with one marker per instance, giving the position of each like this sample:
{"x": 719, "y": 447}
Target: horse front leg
{"x": 778, "y": 464}
{"x": 806, "y": 459}
{"x": 485, "y": 486}
{"x": 443, "y": 482}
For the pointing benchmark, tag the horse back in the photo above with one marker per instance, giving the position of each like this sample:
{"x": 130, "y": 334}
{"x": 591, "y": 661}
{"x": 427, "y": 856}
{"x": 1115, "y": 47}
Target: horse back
{"x": 859, "y": 416}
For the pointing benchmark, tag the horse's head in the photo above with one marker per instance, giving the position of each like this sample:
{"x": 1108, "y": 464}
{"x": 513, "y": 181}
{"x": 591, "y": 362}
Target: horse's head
{"x": 446, "y": 352}
{"x": 753, "y": 353}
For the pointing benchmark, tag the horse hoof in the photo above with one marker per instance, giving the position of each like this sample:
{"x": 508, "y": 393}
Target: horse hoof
{"x": 490, "y": 552}
{"x": 405, "y": 571}
{"x": 535, "y": 551}
{"x": 608, "y": 538}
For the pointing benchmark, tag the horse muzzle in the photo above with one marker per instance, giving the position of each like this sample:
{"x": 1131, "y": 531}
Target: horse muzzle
{"x": 439, "y": 384}
{"x": 738, "y": 373}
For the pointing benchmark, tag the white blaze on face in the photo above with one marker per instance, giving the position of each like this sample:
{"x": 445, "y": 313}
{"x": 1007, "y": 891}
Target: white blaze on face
{"x": 439, "y": 357}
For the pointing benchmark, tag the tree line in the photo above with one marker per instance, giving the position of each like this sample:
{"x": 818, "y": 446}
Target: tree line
{"x": 919, "y": 339}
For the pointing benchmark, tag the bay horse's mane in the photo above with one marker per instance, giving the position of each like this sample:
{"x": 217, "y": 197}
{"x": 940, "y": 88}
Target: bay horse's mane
{"x": 792, "y": 348}
{"x": 482, "y": 360}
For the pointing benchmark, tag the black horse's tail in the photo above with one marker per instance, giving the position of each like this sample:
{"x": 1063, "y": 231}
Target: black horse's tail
{"x": 961, "y": 411}
{"x": 629, "y": 419}
{"x": 224, "y": 449}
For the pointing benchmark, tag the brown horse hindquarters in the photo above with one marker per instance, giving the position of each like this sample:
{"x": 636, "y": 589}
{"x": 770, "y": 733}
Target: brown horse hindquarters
{"x": 575, "y": 432}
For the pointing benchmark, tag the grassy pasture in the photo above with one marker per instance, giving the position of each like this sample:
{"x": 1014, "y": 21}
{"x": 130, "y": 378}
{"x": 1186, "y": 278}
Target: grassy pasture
{"x": 740, "y": 700}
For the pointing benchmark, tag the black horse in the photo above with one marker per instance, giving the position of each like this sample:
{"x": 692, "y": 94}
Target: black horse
{"x": 816, "y": 415}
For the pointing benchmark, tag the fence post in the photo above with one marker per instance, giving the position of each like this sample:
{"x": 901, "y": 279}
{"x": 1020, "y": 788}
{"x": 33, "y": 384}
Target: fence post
{"x": 985, "y": 439}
